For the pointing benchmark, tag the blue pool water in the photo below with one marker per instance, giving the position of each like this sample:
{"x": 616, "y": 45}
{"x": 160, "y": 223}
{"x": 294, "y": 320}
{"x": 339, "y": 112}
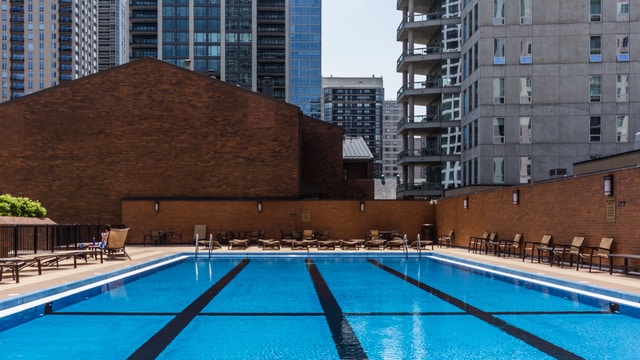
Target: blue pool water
{"x": 323, "y": 308}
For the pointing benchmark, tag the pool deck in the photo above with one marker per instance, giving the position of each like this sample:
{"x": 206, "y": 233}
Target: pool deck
{"x": 30, "y": 281}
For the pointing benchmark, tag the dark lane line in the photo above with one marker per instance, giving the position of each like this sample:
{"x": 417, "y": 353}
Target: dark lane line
{"x": 529, "y": 338}
{"x": 160, "y": 340}
{"x": 347, "y": 343}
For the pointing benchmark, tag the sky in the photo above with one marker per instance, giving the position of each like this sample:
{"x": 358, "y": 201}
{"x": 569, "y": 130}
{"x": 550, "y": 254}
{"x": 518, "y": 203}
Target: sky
{"x": 359, "y": 40}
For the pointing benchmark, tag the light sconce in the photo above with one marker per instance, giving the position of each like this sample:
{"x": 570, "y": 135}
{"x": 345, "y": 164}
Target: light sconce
{"x": 156, "y": 206}
{"x": 260, "y": 206}
{"x": 382, "y": 179}
{"x": 361, "y": 206}
{"x": 608, "y": 185}
{"x": 516, "y": 196}
{"x": 465, "y": 202}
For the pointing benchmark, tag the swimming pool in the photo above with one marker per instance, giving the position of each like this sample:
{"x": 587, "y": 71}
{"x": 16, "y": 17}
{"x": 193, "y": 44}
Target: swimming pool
{"x": 298, "y": 307}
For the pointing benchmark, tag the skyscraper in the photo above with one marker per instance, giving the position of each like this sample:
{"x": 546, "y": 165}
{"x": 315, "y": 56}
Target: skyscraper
{"x": 45, "y": 44}
{"x": 516, "y": 91}
{"x": 268, "y": 46}
{"x": 355, "y": 104}
{"x": 113, "y": 24}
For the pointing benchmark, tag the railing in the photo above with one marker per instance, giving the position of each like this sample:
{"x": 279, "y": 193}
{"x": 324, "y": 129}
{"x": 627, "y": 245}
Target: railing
{"x": 18, "y": 240}
{"x": 421, "y": 51}
{"x": 429, "y": 185}
{"x": 418, "y": 17}
{"x": 420, "y": 152}
{"x": 419, "y": 119}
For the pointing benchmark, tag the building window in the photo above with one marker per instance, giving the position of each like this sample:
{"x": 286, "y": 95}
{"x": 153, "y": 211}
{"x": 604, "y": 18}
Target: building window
{"x": 525, "y": 130}
{"x": 525, "y": 170}
{"x": 525, "y": 51}
{"x": 622, "y": 88}
{"x": 595, "y": 10}
{"x": 622, "y": 128}
{"x": 623, "y": 10}
{"x": 498, "y": 51}
{"x": 622, "y": 45}
{"x": 595, "y": 130}
{"x": 498, "y": 12}
{"x": 525, "y": 90}
{"x": 594, "y": 88}
{"x": 498, "y": 90}
{"x": 498, "y": 130}
{"x": 525, "y": 12}
{"x": 595, "y": 48}
{"x": 498, "y": 170}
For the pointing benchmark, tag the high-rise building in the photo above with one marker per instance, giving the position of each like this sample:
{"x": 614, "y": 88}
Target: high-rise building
{"x": 391, "y": 142}
{"x": 44, "y": 44}
{"x": 269, "y": 46}
{"x": 542, "y": 85}
{"x": 431, "y": 37}
{"x": 355, "y": 104}
{"x": 113, "y": 34}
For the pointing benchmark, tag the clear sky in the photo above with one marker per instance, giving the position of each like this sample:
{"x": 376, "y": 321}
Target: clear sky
{"x": 359, "y": 40}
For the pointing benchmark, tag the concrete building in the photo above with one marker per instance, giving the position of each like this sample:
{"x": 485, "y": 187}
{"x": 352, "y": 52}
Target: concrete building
{"x": 356, "y": 104}
{"x": 46, "y": 44}
{"x": 542, "y": 85}
{"x": 391, "y": 143}
{"x": 113, "y": 34}
{"x": 268, "y": 46}
{"x": 431, "y": 36}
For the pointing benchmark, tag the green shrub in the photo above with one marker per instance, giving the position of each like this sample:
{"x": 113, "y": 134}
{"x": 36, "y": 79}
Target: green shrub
{"x": 20, "y": 206}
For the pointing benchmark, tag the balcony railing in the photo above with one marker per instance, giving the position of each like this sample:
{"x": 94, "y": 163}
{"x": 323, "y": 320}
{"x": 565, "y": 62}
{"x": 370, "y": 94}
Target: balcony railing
{"x": 418, "y": 18}
{"x": 420, "y": 51}
{"x": 420, "y": 152}
{"x": 431, "y": 82}
{"x": 419, "y": 119}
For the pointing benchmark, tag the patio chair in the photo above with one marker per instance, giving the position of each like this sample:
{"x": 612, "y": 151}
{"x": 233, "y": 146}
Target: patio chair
{"x": 270, "y": 244}
{"x": 600, "y": 252}
{"x": 116, "y": 242}
{"x": 238, "y": 244}
{"x": 373, "y": 235}
{"x": 507, "y": 246}
{"x": 475, "y": 241}
{"x": 308, "y": 237}
{"x": 490, "y": 244}
{"x": 395, "y": 243}
{"x": 531, "y": 246}
{"x": 446, "y": 239}
{"x": 422, "y": 243}
{"x": 200, "y": 232}
{"x": 561, "y": 252}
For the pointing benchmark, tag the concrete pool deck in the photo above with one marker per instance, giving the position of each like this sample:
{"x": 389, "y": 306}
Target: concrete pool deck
{"x": 30, "y": 281}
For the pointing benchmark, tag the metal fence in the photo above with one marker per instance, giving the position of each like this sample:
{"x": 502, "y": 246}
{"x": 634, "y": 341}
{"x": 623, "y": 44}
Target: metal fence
{"x": 33, "y": 239}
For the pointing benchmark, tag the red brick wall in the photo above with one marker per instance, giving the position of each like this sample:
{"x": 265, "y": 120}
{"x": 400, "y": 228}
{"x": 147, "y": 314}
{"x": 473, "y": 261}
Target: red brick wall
{"x": 563, "y": 208}
{"x": 321, "y": 163}
{"x": 342, "y": 218}
{"x": 148, "y": 129}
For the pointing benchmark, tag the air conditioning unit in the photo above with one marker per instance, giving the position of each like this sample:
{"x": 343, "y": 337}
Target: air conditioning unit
{"x": 498, "y": 100}
{"x": 595, "y": 98}
{"x": 595, "y": 17}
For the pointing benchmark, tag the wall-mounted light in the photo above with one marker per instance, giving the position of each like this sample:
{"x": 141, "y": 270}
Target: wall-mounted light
{"x": 516, "y": 196}
{"x": 259, "y": 205}
{"x": 465, "y": 202}
{"x": 608, "y": 185}
{"x": 361, "y": 206}
{"x": 156, "y": 206}
{"x": 382, "y": 179}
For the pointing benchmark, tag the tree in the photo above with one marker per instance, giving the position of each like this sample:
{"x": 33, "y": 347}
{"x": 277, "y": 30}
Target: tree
{"x": 20, "y": 206}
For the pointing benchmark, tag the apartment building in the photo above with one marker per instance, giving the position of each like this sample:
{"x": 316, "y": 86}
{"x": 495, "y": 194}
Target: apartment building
{"x": 356, "y": 105}
{"x": 44, "y": 44}
{"x": 542, "y": 84}
{"x": 113, "y": 33}
{"x": 431, "y": 36}
{"x": 268, "y": 46}
{"x": 391, "y": 142}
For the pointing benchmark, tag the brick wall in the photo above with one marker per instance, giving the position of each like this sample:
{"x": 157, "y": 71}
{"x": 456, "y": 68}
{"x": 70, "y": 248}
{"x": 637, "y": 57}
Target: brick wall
{"x": 563, "y": 208}
{"x": 342, "y": 218}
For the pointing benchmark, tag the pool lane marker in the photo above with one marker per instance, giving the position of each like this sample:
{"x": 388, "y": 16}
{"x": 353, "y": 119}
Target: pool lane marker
{"x": 347, "y": 343}
{"x": 527, "y": 337}
{"x": 160, "y": 340}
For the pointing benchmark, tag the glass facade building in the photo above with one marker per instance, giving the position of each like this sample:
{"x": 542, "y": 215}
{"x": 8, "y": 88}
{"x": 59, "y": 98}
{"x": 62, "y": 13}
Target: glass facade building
{"x": 268, "y": 46}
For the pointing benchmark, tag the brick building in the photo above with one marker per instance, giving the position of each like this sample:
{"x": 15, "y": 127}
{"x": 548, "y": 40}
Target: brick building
{"x": 151, "y": 130}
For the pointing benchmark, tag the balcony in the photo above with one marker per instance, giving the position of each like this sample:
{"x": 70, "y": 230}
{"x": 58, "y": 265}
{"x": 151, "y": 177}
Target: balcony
{"x": 429, "y": 90}
{"x": 428, "y": 26}
{"x": 425, "y": 155}
{"x": 426, "y": 189}
{"x": 432, "y": 122}
{"x": 424, "y": 59}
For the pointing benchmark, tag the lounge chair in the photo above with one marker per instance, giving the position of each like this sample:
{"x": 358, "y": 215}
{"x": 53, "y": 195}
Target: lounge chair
{"x": 395, "y": 243}
{"x": 377, "y": 244}
{"x": 422, "y": 244}
{"x": 561, "y": 252}
{"x": 116, "y": 242}
{"x": 446, "y": 239}
{"x": 350, "y": 244}
{"x": 326, "y": 244}
{"x": 209, "y": 243}
{"x": 309, "y": 237}
{"x": 238, "y": 244}
{"x": 199, "y": 232}
{"x": 475, "y": 241}
{"x": 530, "y": 246}
{"x": 600, "y": 252}
{"x": 270, "y": 244}
{"x": 507, "y": 246}
{"x": 373, "y": 235}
